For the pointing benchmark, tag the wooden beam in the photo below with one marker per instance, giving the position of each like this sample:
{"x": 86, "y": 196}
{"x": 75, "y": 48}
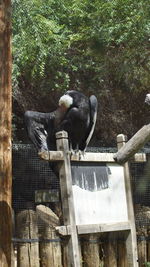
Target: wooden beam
{"x": 95, "y": 228}
{"x": 5, "y": 133}
{"x": 87, "y": 157}
{"x": 133, "y": 145}
{"x": 51, "y": 155}
{"x": 102, "y": 228}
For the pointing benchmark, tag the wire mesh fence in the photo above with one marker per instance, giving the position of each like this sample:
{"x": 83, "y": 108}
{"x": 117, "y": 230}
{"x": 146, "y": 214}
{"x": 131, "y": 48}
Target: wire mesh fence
{"x": 36, "y": 202}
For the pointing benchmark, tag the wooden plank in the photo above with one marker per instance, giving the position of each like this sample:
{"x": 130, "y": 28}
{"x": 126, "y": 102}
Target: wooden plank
{"x": 87, "y": 157}
{"x": 133, "y": 145}
{"x": 72, "y": 252}
{"x": 101, "y": 228}
{"x": 95, "y": 228}
{"x": 45, "y": 195}
{"x": 131, "y": 242}
{"x": 51, "y": 155}
{"x": 5, "y": 133}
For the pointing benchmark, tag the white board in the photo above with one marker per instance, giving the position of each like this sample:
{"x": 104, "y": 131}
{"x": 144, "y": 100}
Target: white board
{"x": 107, "y": 205}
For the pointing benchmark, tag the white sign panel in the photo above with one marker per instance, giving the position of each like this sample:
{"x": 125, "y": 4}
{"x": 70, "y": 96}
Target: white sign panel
{"x": 99, "y": 194}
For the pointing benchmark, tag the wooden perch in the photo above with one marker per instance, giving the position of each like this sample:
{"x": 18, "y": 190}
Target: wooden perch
{"x": 133, "y": 145}
{"x": 87, "y": 157}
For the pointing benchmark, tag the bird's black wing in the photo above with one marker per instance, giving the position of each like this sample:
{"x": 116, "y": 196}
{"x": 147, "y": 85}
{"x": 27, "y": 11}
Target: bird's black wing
{"x": 38, "y": 125}
{"x": 93, "y": 116}
{"x": 71, "y": 123}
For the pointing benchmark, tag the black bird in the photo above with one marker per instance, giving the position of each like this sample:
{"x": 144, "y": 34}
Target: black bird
{"x": 79, "y": 120}
{"x": 75, "y": 114}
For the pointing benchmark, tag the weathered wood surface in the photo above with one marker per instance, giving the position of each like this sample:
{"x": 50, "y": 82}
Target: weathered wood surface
{"x": 110, "y": 251}
{"x": 95, "y": 228}
{"x": 50, "y": 243}
{"x": 148, "y": 244}
{"x": 102, "y": 228}
{"x": 87, "y": 157}
{"x": 122, "y": 252}
{"x": 142, "y": 246}
{"x": 131, "y": 241}
{"x": 72, "y": 251}
{"x": 91, "y": 251}
{"x": 27, "y": 233}
{"x": 133, "y": 145}
{"x": 5, "y": 133}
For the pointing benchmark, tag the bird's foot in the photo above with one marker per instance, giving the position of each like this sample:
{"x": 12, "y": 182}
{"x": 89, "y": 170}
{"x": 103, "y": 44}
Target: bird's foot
{"x": 81, "y": 154}
{"x": 77, "y": 153}
{"x": 72, "y": 153}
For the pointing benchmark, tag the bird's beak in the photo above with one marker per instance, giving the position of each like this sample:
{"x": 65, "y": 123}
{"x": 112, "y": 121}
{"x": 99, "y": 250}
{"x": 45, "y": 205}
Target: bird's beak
{"x": 63, "y": 108}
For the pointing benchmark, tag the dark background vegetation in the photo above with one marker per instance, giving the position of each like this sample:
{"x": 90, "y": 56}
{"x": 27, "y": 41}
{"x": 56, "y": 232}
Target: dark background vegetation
{"x": 99, "y": 47}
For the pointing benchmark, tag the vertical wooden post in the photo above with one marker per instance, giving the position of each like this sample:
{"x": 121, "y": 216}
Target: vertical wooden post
{"x": 122, "y": 251}
{"x": 5, "y": 133}
{"x": 142, "y": 246}
{"x": 148, "y": 244}
{"x": 111, "y": 250}
{"x": 131, "y": 242}
{"x": 27, "y": 231}
{"x": 50, "y": 245}
{"x": 72, "y": 254}
{"x": 91, "y": 251}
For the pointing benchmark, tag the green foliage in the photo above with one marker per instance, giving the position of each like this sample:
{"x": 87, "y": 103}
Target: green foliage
{"x": 81, "y": 44}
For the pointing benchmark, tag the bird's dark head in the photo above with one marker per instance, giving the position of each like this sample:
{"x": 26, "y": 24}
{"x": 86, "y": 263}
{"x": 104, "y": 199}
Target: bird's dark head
{"x": 65, "y": 102}
{"x": 147, "y": 99}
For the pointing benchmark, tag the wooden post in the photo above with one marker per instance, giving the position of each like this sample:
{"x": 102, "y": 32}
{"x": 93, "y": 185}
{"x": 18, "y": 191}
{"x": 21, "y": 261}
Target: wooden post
{"x": 5, "y": 134}
{"x": 27, "y": 233}
{"x": 131, "y": 242}
{"x": 91, "y": 250}
{"x": 133, "y": 145}
{"x": 111, "y": 250}
{"x": 50, "y": 243}
{"x": 122, "y": 251}
{"x": 142, "y": 246}
{"x": 72, "y": 253}
{"x": 148, "y": 244}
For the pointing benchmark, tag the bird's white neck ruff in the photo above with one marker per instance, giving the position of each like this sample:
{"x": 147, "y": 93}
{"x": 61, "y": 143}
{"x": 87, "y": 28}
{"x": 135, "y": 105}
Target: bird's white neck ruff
{"x": 147, "y": 99}
{"x": 148, "y": 96}
{"x": 66, "y": 100}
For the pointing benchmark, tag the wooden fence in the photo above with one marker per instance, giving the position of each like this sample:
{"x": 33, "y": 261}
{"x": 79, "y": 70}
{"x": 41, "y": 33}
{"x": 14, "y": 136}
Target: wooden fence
{"x": 39, "y": 244}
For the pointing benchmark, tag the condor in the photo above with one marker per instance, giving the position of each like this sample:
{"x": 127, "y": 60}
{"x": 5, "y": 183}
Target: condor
{"x": 75, "y": 114}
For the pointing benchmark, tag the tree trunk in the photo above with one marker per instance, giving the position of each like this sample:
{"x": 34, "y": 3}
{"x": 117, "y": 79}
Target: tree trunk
{"x": 5, "y": 134}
